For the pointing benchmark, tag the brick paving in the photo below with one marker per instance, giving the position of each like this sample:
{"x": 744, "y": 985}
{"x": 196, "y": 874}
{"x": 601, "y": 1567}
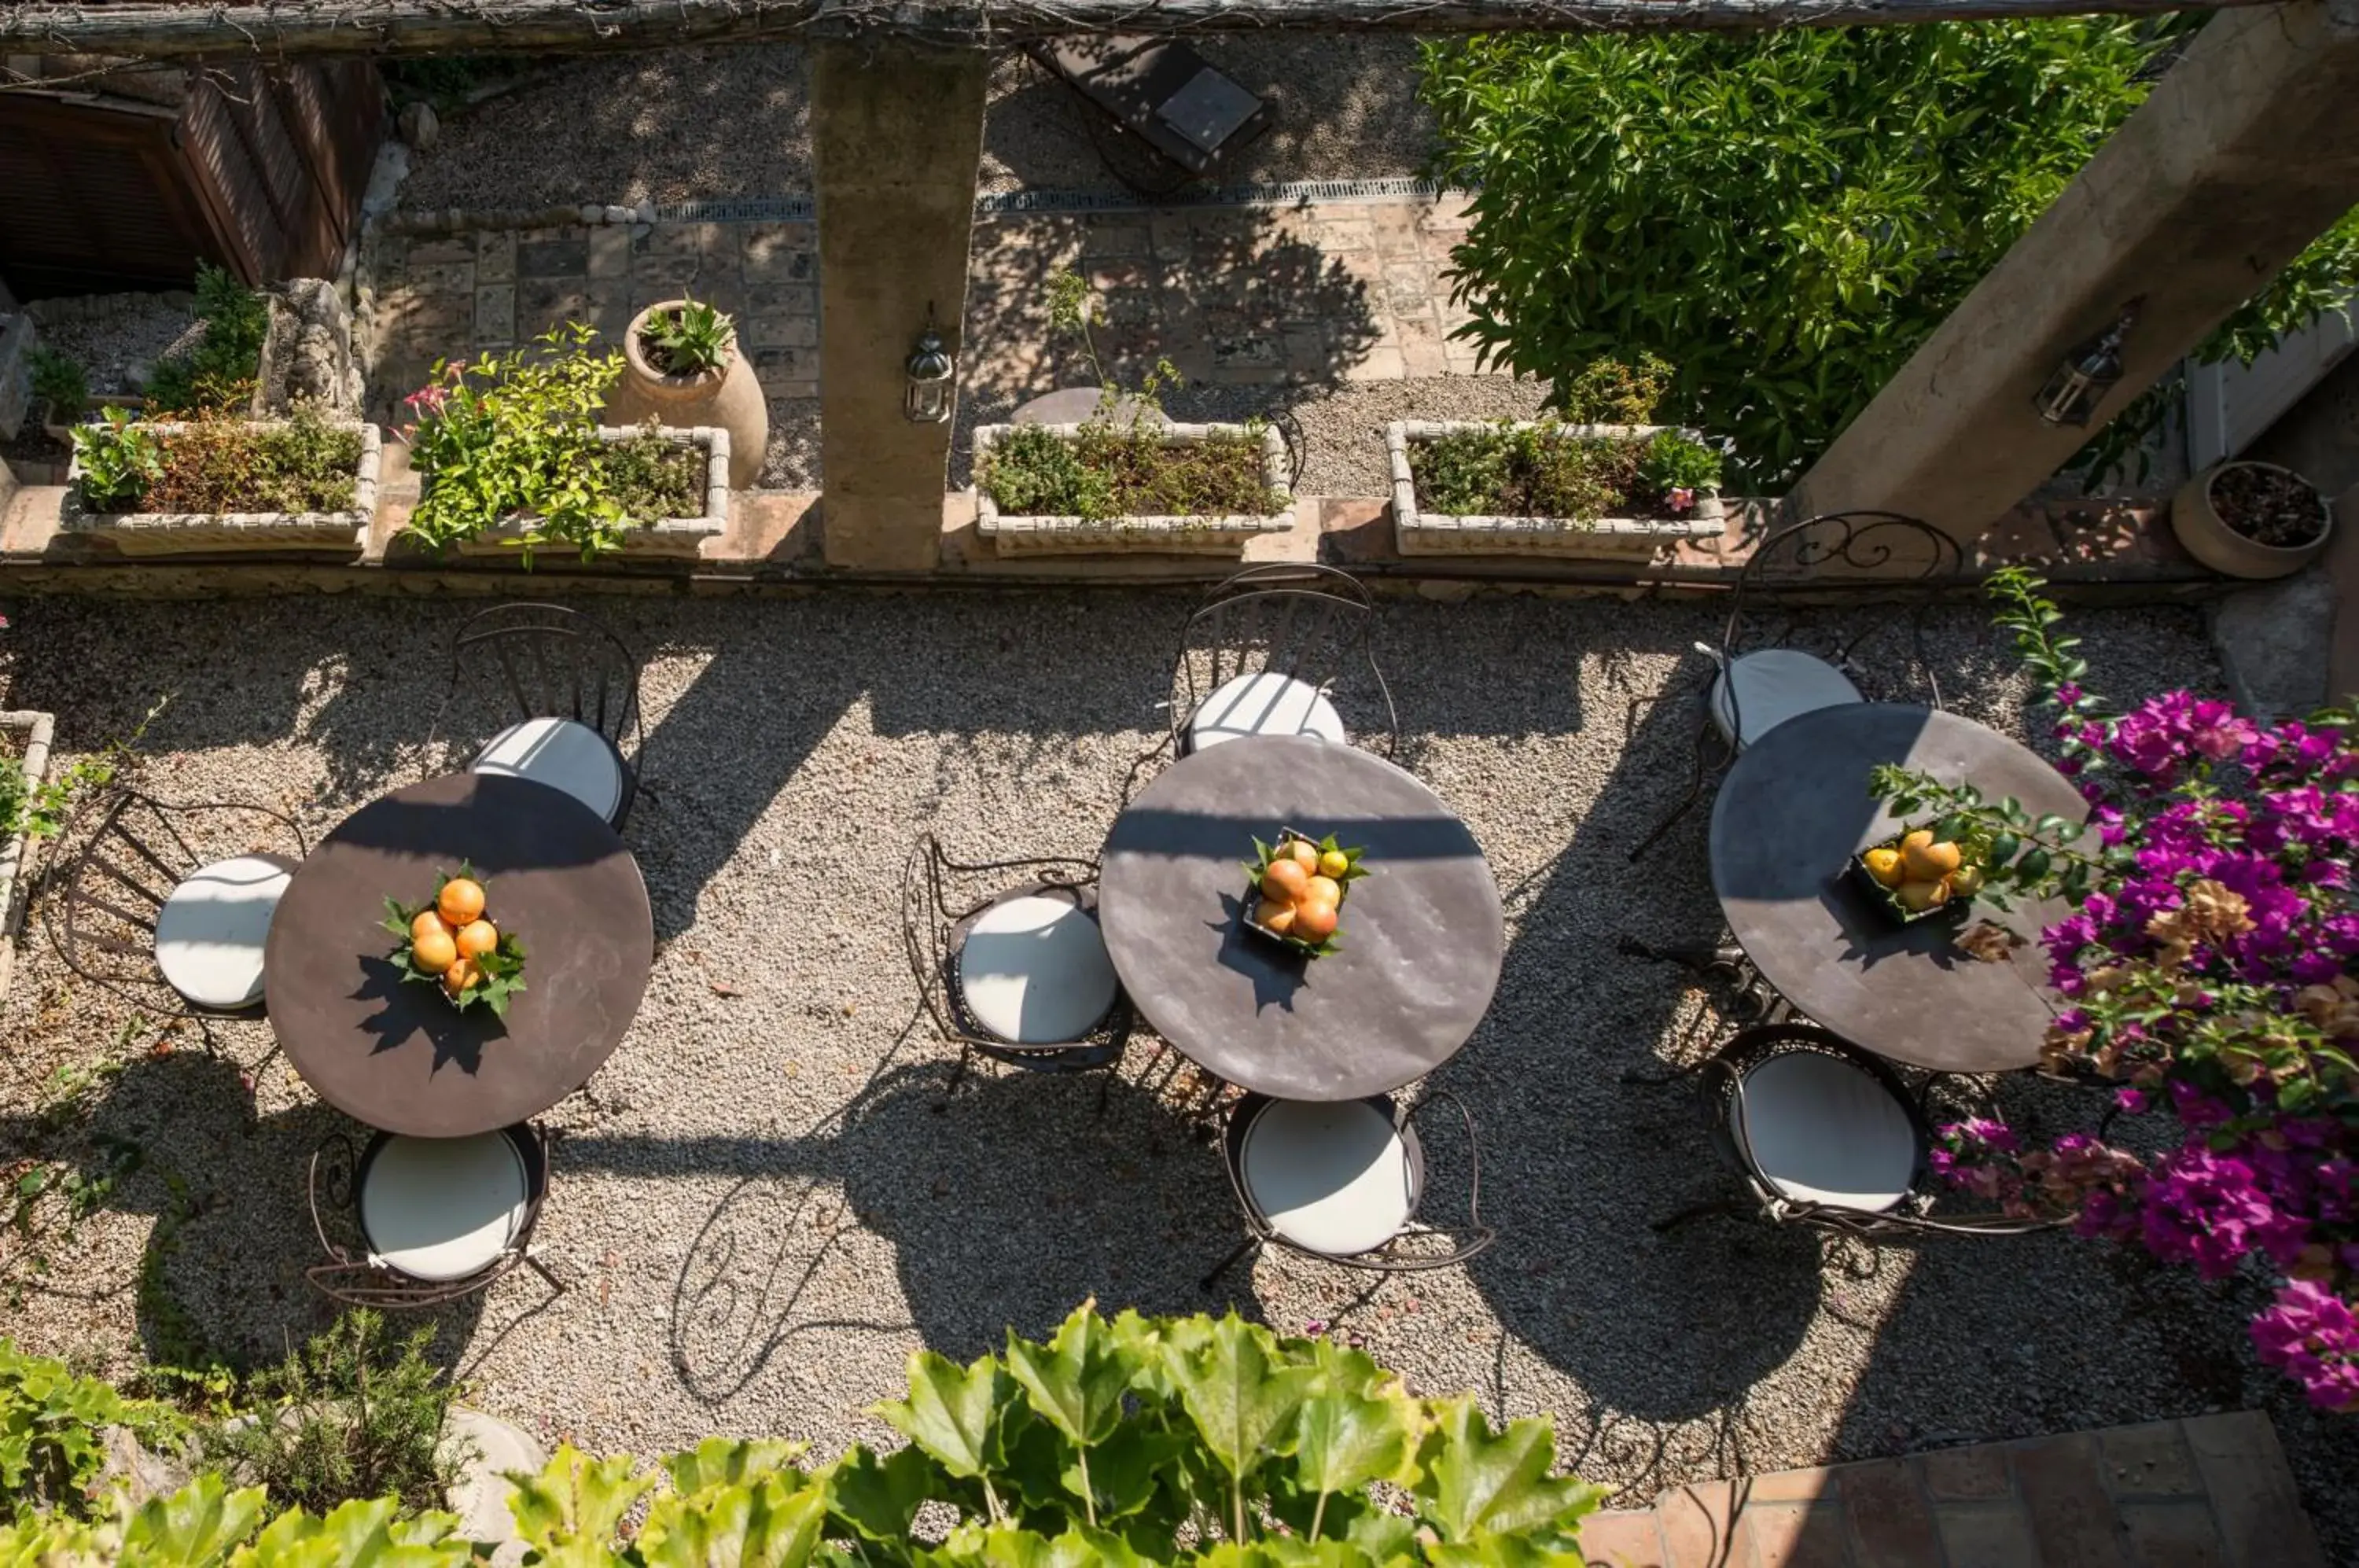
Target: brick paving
{"x": 2208, "y": 1492}
{"x": 1233, "y": 296}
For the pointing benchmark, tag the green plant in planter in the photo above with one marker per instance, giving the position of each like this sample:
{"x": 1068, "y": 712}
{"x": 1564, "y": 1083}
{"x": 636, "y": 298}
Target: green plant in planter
{"x": 120, "y": 459}
{"x": 217, "y": 375}
{"x": 60, "y": 382}
{"x": 1675, "y": 469}
{"x": 689, "y": 341}
{"x": 50, "y": 1426}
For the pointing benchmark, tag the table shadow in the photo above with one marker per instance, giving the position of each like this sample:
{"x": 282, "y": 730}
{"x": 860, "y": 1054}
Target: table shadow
{"x": 1276, "y": 978}
{"x": 408, "y": 1012}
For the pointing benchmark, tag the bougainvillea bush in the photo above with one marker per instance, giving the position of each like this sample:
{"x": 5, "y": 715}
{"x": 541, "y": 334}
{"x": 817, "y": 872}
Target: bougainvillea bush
{"x": 2209, "y": 964}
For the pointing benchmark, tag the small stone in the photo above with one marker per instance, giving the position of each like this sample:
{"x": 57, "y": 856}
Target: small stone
{"x": 594, "y": 213}
{"x": 419, "y": 125}
{"x": 646, "y": 212}
{"x": 620, "y": 214}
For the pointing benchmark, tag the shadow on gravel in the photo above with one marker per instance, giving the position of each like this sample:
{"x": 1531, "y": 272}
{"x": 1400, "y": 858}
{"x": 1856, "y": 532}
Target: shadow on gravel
{"x": 1002, "y": 1209}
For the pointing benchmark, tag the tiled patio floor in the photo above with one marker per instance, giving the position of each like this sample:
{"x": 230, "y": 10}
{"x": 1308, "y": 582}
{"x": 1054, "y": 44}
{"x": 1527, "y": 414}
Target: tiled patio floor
{"x": 1234, "y": 296}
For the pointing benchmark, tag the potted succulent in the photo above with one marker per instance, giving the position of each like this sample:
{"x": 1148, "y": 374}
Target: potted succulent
{"x": 511, "y": 456}
{"x": 2251, "y": 519}
{"x": 682, "y": 367}
{"x": 302, "y": 483}
{"x": 1527, "y": 487}
{"x": 1126, "y": 479}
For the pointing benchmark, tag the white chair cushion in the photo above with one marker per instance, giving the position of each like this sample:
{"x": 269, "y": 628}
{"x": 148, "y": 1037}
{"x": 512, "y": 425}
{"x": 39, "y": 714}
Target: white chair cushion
{"x": 1824, "y": 1131}
{"x": 1774, "y": 685}
{"x": 1265, "y": 702}
{"x": 563, "y": 754}
{"x": 444, "y": 1208}
{"x": 211, "y": 932}
{"x": 1334, "y": 1178}
{"x": 1033, "y": 970}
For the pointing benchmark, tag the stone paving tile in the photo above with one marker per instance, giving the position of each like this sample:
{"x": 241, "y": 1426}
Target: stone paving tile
{"x": 1233, "y": 296}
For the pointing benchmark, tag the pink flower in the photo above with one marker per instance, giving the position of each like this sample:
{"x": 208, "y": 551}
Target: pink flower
{"x": 1681, "y": 497}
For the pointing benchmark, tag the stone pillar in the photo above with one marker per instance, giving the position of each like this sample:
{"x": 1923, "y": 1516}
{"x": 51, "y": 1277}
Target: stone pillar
{"x": 2246, "y": 151}
{"x": 897, "y": 139}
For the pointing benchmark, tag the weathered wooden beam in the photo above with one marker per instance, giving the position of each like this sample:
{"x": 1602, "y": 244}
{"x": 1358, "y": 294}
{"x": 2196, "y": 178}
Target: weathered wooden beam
{"x": 292, "y": 28}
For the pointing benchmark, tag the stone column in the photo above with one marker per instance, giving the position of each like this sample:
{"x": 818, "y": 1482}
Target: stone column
{"x": 2246, "y": 151}
{"x": 898, "y": 137}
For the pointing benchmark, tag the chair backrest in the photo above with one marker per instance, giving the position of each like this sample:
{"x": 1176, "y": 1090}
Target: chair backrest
{"x": 350, "y": 1276}
{"x": 104, "y": 899}
{"x": 546, "y": 661}
{"x": 1306, "y": 622}
{"x": 1913, "y": 556}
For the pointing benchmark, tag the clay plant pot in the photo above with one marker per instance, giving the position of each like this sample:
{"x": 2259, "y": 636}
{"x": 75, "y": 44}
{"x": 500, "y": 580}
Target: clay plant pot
{"x": 2209, "y": 539}
{"x": 730, "y": 399}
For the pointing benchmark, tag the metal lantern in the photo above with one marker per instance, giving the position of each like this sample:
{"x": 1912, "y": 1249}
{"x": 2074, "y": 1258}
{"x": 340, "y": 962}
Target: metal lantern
{"x": 2088, "y": 372}
{"x": 933, "y": 376}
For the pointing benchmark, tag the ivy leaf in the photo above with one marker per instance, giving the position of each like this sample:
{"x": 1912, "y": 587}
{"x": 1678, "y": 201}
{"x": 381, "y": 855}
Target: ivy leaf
{"x": 572, "y": 1509}
{"x": 1475, "y": 1480}
{"x": 773, "y": 1523}
{"x": 951, "y": 1413}
{"x": 1077, "y": 1380}
{"x": 1343, "y": 1442}
{"x": 727, "y": 1461}
{"x": 198, "y": 1523}
{"x": 878, "y": 1498}
{"x": 1240, "y": 1396}
{"x": 1132, "y": 1466}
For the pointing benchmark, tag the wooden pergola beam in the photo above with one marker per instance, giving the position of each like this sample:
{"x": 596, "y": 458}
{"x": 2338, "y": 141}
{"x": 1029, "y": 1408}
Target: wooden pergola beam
{"x": 390, "y": 28}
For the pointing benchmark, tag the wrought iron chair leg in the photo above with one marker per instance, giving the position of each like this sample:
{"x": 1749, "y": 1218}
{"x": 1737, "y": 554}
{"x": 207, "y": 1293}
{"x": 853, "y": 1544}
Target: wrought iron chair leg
{"x": 1724, "y": 1207}
{"x": 958, "y": 1076}
{"x": 1105, "y": 1087}
{"x": 556, "y": 1285}
{"x": 1250, "y": 1244}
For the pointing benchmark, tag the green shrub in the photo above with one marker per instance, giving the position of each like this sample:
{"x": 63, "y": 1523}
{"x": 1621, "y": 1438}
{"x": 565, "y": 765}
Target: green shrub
{"x": 217, "y": 375}
{"x": 50, "y": 1432}
{"x": 1608, "y": 392}
{"x": 1672, "y": 461}
{"x": 230, "y": 466}
{"x": 119, "y": 460}
{"x": 1782, "y": 216}
{"x": 58, "y": 381}
{"x": 1546, "y": 471}
{"x": 354, "y": 1414}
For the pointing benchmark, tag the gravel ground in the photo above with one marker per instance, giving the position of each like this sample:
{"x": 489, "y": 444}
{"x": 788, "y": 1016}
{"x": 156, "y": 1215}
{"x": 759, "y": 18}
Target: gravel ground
{"x": 131, "y": 338}
{"x": 695, "y": 125}
{"x": 758, "y": 1209}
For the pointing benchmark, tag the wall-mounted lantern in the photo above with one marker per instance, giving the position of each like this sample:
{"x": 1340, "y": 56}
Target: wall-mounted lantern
{"x": 932, "y": 379}
{"x": 2088, "y": 372}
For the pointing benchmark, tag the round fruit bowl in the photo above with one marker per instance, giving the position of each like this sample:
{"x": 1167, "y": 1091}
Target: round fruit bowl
{"x": 1297, "y": 889}
{"x": 1925, "y": 873}
{"x": 450, "y": 944}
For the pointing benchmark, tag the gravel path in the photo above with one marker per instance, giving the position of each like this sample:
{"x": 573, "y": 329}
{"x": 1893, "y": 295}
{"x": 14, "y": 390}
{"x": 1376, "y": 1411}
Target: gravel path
{"x": 759, "y": 1208}
{"x": 695, "y": 125}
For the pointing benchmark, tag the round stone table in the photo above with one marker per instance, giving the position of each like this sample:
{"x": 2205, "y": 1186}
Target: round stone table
{"x": 1422, "y": 937}
{"x": 393, "y": 1053}
{"x": 1789, "y": 816}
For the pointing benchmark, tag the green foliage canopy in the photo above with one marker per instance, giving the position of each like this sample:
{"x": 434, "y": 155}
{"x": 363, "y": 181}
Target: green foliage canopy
{"x": 1783, "y": 217}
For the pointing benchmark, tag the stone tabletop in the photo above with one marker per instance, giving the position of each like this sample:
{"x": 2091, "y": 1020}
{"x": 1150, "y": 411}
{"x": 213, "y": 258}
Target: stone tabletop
{"x": 1421, "y": 938}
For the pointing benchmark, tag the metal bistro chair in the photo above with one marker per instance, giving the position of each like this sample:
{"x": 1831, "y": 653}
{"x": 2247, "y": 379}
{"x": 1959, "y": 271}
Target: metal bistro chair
{"x": 1010, "y": 963}
{"x": 1342, "y": 1180}
{"x": 1758, "y": 683}
{"x": 573, "y": 687}
{"x": 1274, "y": 641}
{"x": 1824, "y": 1134}
{"x": 142, "y": 912}
{"x": 438, "y": 1218}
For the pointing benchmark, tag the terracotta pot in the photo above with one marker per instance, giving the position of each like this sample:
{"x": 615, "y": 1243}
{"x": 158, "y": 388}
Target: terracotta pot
{"x": 2223, "y": 549}
{"x": 730, "y": 399}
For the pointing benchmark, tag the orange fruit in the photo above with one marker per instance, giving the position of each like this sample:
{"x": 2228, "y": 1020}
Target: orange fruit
{"x": 461, "y": 975}
{"x": 460, "y": 900}
{"x": 435, "y": 952}
{"x": 1929, "y": 861}
{"x": 1276, "y": 916}
{"x": 429, "y": 920}
{"x": 1884, "y": 864}
{"x": 1917, "y": 896}
{"x": 1917, "y": 840}
{"x": 477, "y": 937}
{"x": 1314, "y": 919}
{"x": 1325, "y": 890}
{"x": 1305, "y": 852}
{"x": 1284, "y": 879}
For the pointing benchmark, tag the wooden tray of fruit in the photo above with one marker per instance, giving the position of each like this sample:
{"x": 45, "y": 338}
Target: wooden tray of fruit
{"x": 1298, "y": 888}
{"x": 449, "y": 941}
{"x": 1923, "y": 874}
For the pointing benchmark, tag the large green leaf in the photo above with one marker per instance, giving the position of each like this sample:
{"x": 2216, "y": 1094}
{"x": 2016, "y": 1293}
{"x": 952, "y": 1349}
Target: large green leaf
{"x": 1137, "y": 1471}
{"x": 1239, "y": 1395}
{"x": 1340, "y": 1442}
{"x": 725, "y": 1461}
{"x": 878, "y": 1498}
{"x": 1006, "y": 1546}
{"x": 951, "y": 1413}
{"x": 773, "y": 1522}
{"x": 1489, "y": 1550}
{"x": 361, "y": 1533}
{"x": 1476, "y": 1480}
{"x": 570, "y": 1512}
{"x": 1077, "y": 1380}
{"x": 195, "y": 1526}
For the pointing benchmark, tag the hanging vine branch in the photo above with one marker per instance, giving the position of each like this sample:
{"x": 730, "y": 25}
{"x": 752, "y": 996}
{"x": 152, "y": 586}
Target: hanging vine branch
{"x": 300, "y": 28}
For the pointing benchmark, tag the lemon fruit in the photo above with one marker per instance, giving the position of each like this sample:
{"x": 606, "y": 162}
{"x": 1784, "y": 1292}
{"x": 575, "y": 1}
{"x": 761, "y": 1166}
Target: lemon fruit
{"x": 1884, "y": 864}
{"x": 1917, "y": 896}
{"x": 1929, "y": 861}
{"x": 461, "y": 901}
{"x": 434, "y": 951}
{"x": 1334, "y": 863}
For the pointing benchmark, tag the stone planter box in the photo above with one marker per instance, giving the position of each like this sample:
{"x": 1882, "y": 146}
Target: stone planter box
{"x": 16, "y": 339}
{"x": 178, "y": 533}
{"x": 1418, "y": 532}
{"x": 668, "y": 537}
{"x": 1160, "y": 536}
{"x": 32, "y": 735}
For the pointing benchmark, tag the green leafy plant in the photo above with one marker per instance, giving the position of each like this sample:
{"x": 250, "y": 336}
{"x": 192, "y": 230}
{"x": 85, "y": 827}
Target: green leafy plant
{"x": 117, "y": 462}
{"x": 514, "y": 437}
{"x": 1127, "y": 1443}
{"x": 230, "y": 466}
{"x": 58, "y": 381}
{"x": 1675, "y": 468}
{"x": 688, "y": 341}
{"x": 1567, "y": 471}
{"x": 1609, "y": 392}
{"x": 51, "y": 1433}
{"x": 217, "y": 374}
{"x": 355, "y": 1413}
{"x": 41, "y": 811}
{"x": 490, "y": 978}
{"x": 1782, "y": 216}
